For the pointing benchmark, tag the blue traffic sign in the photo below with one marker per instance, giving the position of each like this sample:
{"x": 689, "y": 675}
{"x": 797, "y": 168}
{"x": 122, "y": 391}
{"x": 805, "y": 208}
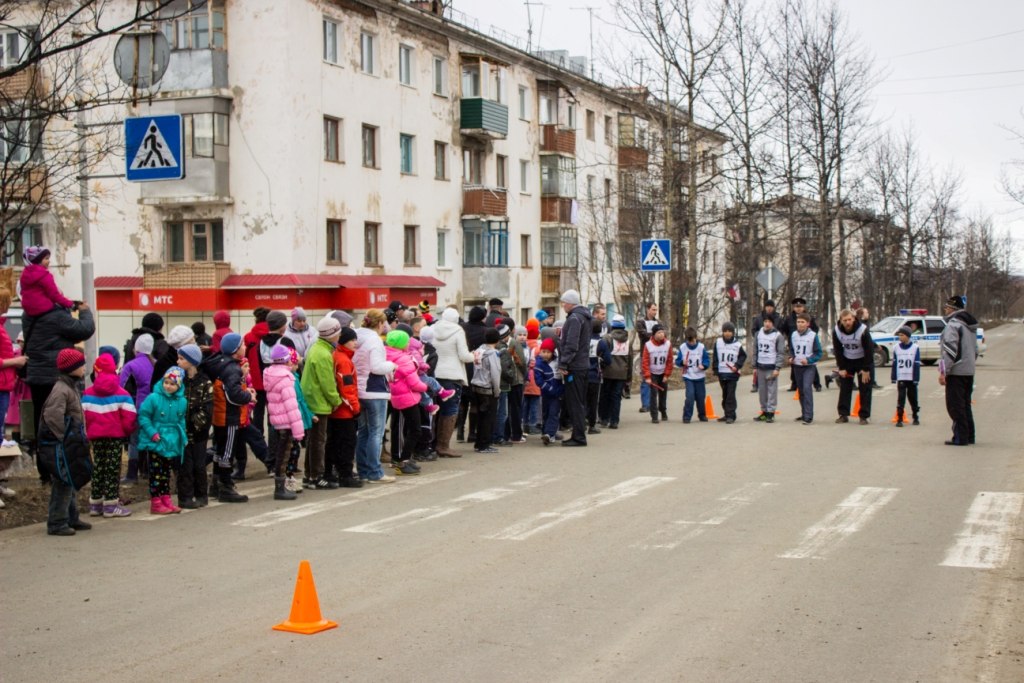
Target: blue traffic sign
{"x": 655, "y": 255}
{"x": 153, "y": 148}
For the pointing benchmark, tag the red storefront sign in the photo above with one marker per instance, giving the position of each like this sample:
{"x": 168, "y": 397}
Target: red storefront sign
{"x": 245, "y": 299}
{"x": 175, "y": 299}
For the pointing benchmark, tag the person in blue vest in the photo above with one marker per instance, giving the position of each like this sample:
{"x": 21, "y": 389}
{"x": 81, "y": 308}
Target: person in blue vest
{"x": 855, "y": 357}
{"x": 906, "y": 374}
{"x": 804, "y": 354}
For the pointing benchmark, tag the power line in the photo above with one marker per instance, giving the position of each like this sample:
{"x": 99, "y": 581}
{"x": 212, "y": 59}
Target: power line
{"x": 944, "y": 92}
{"x": 935, "y": 78}
{"x": 965, "y": 42}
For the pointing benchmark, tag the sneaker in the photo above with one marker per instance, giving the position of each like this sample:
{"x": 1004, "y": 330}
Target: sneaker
{"x": 593, "y": 430}
{"x": 613, "y": 425}
{"x": 703, "y": 419}
{"x": 80, "y": 526}
{"x": 445, "y": 394}
{"x": 769, "y": 419}
{"x": 384, "y": 479}
{"x": 115, "y": 510}
{"x": 842, "y": 419}
{"x": 546, "y": 439}
{"x": 643, "y": 409}
{"x": 602, "y": 423}
{"x": 899, "y": 423}
{"x": 686, "y": 422}
{"x": 433, "y": 408}
{"x": 63, "y": 531}
{"x": 863, "y": 421}
{"x": 761, "y": 417}
{"x": 185, "y": 504}
{"x": 351, "y": 483}
{"x": 292, "y": 484}
{"x": 406, "y": 468}
{"x": 729, "y": 420}
{"x": 325, "y": 483}
{"x": 96, "y": 508}
{"x": 4, "y": 491}
{"x": 916, "y": 422}
{"x": 664, "y": 416}
{"x": 489, "y": 449}
{"x": 521, "y": 440}
{"x": 722, "y": 419}
{"x": 798, "y": 419}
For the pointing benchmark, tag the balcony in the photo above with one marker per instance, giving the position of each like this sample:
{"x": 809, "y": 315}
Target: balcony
{"x": 196, "y": 275}
{"x": 556, "y": 210}
{"x": 25, "y": 184}
{"x": 554, "y": 281}
{"x": 478, "y": 200}
{"x": 23, "y": 85}
{"x": 557, "y": 139}
{"x": 482, "y": 118}
{"x": 484, "y": 282}
{"x": 633, "y": 158}
{"x": 195, "y": 70}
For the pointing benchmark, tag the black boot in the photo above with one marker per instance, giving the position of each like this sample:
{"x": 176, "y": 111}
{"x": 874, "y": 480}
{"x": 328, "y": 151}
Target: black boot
{"x": 229, "y": 494}
{"x": 280, "y": 492}
{"x": 214, "y": 484}
{"x": 239, "y": 472}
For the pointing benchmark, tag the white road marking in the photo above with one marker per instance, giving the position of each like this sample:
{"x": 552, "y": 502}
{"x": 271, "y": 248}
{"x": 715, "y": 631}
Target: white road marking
{"x": 675, "y": 533}
{"x": 579, "y": 508}
{"x": 459, "y": 504}
{"x": 993, "y": 392}
{"x": 848, "y": 518}
{"x": 938, "y": 393}
{"x": 984, "y": 539}
{"x": 293, "y": 512}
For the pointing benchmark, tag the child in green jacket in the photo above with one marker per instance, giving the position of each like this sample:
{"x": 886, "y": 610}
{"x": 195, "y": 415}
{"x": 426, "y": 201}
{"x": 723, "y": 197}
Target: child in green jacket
{"x": 162, "y": 433}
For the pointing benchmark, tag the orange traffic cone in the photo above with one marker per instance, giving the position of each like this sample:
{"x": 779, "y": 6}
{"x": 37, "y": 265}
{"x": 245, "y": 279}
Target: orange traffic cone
{"x": 709, "y": 408}
{"x": 896, "y": 418}
{"x": 305, "y": 617}
{"x": 856, "y": 406}
{"x": 796, "y": 396}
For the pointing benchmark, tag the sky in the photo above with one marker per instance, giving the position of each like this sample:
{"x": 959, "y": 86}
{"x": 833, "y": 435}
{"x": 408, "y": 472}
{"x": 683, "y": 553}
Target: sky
{"x": 937, "y": 61}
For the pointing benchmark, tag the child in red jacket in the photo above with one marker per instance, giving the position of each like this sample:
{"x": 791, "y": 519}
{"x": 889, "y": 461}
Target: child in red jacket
{"x": 110, "y": 419}
{"x": 343, "y": 422}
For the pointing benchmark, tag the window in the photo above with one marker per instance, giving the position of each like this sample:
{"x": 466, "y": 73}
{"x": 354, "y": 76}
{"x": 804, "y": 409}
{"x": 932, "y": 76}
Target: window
{"x": 14, "y": 47}
{"x": 592, "y": 254}
{"x": 609, "y": 255}
{"x": 501, "y": 176}
{"x": 471, "y": 86}
{"x": 370, "y": 146}
{"x": 441, "y": 161}
{"x": 442, "y": 248}
{"x": 497, "y": 91}
{"x": 19, "y": 140}
{"x": 590, "y": 187}
{"x": 548, "y": 109}
{"x": 484, "y": 243}
{"x": 558, "y": 176}
{"x": 524, "y": 175}
{"x": 440, "y": 76}
{"x": 330, "y": 41}
{"x": 607, "y": 193}
{"x": 558, "y": 247}
{"x": 405, "y": 64}
{"x": 609, "y": 133}
{"x": 411, "y": 239}
{"x": 203, "y": 131}
{"x": 189, "y": 241}
{"x": 335, "y": 252}
{"x": 525, "y": 252}
{"x": 368, "y": 53}
{"x": 371, "y": 244}
{"x": 405, "y": 143}
{"x": 591, "y": 124}
{"x": 193, "y": 24}
{"x": 524, "y": 96}
{"x": 17, "y": 240}
{"x": 570, "y": 119}
{"x": 332, "y": 139}
{"x": 472, "y": 167}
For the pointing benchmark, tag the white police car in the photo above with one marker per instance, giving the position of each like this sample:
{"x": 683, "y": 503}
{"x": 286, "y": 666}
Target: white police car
{"x": 927, "y": 330}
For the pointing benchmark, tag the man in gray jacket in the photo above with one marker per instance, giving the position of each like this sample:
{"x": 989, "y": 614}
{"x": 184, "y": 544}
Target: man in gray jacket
{"x": 959, "y": 347}
{"x": 574, "y": 364}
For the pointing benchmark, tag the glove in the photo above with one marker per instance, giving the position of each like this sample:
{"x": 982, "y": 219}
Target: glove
{"x": 156, "y": 438}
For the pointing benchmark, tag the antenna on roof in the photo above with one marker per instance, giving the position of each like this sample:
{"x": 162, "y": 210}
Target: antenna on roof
{"x": 589, "y": 9}
{"x": 529, "y": 23}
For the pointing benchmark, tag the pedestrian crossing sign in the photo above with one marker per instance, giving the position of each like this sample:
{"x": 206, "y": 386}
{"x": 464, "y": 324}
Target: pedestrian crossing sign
{"x": 153, "y": 148}
{"x": 655, "y": 255}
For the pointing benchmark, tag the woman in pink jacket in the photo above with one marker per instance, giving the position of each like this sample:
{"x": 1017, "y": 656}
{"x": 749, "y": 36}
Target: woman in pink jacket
{"x": 406, "y": 390}
{"x": 285, "y": 416}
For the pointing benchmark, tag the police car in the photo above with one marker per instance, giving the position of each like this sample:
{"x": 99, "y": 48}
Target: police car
{"x": 927, "y": 330}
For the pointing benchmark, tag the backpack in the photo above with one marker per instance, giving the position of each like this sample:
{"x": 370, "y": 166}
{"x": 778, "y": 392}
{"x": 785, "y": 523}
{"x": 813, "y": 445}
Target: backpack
{"x": 508, "y": 367}
{"x": 482, "y": 374}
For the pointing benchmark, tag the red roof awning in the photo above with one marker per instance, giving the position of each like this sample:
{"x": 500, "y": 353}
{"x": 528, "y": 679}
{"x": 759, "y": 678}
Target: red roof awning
{"x": 391, "y": 281}
{"x": 118, "y": 282}
{"x": 279, "y": 281}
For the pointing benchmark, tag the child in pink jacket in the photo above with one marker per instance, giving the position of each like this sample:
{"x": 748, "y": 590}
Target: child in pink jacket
{"x": 406, "y": 390}
{"x": 39, "y": 292}
{"x": 434, "y": 388}
{"x": 110, "y": 418}
{"x": 285, "y": 415}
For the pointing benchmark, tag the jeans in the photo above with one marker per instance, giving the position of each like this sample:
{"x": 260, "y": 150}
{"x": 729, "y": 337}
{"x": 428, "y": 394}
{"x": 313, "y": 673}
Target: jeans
{"x": 5, "y": 404}
{"x": 369, "y": 437}
{"x": 433, "y": 386}
{"x": 531, "y": 410}
{"x": 500, "y": 420}
{"x": 451, "y": 406}
{"x": 696, "y": 390}
{"x": 63, "y": 510}
{"x": 610, "y": 405}
{"x": 804, "y": 376}
{"x": 552, "y": 408}
{"x": 645, "y": 395}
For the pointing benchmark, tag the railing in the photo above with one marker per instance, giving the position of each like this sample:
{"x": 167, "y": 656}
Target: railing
{"x": 555, "y": 138}
{"x": 195, "y": 275}
{"x": 478, "y": 200}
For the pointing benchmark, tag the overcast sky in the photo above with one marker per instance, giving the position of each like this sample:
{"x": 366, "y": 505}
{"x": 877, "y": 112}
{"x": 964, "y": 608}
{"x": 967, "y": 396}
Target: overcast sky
{"x": 936, "y": 57}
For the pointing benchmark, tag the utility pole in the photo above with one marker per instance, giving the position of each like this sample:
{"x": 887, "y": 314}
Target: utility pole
{"x": 589, "y": 9}
{"x": 88, "y": 281}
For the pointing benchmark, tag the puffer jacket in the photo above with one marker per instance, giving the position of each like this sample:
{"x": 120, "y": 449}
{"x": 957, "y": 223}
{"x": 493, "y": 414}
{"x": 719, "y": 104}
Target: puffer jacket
{"x": 49, "y": 334}
{"x": 230, "y": 399}
{"x": 164, "y": 414}
{"x": 39, "y": 291}
{"x": 199, "y": 414}
{"x": 533, "y": 353}
{"x": 282, "y": 403}
{"x": 139, "y": 373}
{"x": 252, "y": 341}
{"x": 452, "y": 352}
{"x": 8, "y": 376}
{"x": 407, "y": 388}
{"x": 348, "y": 384}
{"x": 372, "y": 365}
{"x": 109, "y": 410}
{"x": 318, "y": 385}
{"x": 959, "y": 345}
{"x": 618, "y": 357}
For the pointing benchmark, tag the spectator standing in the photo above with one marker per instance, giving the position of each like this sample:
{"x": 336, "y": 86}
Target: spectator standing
{"x": 574, "y": 364}
{"x": 959, "y": 348}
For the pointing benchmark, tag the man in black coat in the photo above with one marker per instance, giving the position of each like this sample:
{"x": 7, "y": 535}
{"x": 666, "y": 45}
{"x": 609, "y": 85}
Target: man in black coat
{"x": 574, "y": 364}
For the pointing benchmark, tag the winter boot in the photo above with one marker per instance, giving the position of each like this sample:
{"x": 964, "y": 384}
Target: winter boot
{"x": 214, "y": 489}
{"x": 281, "y": 492}
{"x": 132, "y": 475}
{"x": 445, "y": 426}
{"x": 229, "y": 494}
{"x": 169, "y": 504}
{"x": 157, "y": 507}
{"x": 239, "y": 472}
{"x": 113, "y": 508}
{"x": 95, "y": 507}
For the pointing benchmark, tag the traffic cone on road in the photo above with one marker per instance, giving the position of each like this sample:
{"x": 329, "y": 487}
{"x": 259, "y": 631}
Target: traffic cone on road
{"x": 709, "y": 408}
{"x": 856, "y": 406}
{"x": 796, "y": 396}
{"x": 896, "y": 417}
{"x": 305, "y": 616}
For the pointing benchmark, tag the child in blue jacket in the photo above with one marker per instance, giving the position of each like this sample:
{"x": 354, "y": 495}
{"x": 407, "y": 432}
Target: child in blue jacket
{"x": 692, "y": 357}
{"x": 545, "y": 374}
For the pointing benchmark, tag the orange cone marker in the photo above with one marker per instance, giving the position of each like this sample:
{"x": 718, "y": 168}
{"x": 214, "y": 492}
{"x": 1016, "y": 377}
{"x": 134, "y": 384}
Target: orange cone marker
{"x": 305, "y": 617}
{"x": 796, "y": 396}
{"x": 856, "y": 406}
{"x": 709, "y": 408}
{"x": 896, "y": 418}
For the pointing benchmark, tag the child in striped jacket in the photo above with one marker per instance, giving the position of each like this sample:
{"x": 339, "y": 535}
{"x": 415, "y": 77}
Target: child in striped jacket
{"x": 110, "y": 418}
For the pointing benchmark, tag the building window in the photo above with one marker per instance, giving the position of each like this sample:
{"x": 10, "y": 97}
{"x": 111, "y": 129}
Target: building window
{"x": 557, "y": 176}
{"x": 405, "y": 143}
{"x": 524, "y": 97}
{"x": 498, "y": 85}
{"x": 609, "y": 255}
{"x": 330, "y": 41}
{"x": 607, "y": 193}
{"x": 371, "y": 244}
{"x": 590, "y": 188}
{"x": 332, "y": 139}
{"x": 193, "y": 24}
{"x": 570, "y": 119}
{"x": 368, "y": 53}
{"x": 548, "y": 109}
{"x": 501, "y": 175}
{"x": 411, "y": 241}
{"x": 190, "y": 241}
{"x": 405, "y": 64}
{"x": 592, "y": 254}
{"x": 203, "y": 131}
{"x": 524, "y": 176}
{"x": 14, "y": 48}
{"x": 442, "y": 248}
{"x": 20, "y": 139}
{"x": 591, "y": 124}
{"x": 525, "y": 252}
{"x": 440, "y": 76}
{"x": 370, "y": 146}
{"x": 471, "y": 86}
{"x": 485, "y": 243}
{"x": 558, "y": 247}
{"x": 472, "y": 167}
{"x": 609, "y": 133}
{"x": 441, "y": 161}
{"x": 17, "y": 239}
{"x": 335, "y": 252}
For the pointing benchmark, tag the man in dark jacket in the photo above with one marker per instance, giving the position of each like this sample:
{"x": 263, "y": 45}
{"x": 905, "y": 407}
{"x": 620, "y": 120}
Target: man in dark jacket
{"x": 788, "y": 326}
{"x": 494, "y": 313}
{"x": 153, "y": 325}
{"x": 474, "y": 327}
{"x": 855, "y": 357}
{"x": 574, "y": 364}
{"x": 959, "y": 348}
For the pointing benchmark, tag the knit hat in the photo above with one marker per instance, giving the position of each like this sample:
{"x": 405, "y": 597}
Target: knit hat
{"x": 112, "y": 352}
{"x": 328, "y": 327}
{"x": 230, "y": 343}
{"x": 571, "y": 296}
{"x": 427, "y": 335}
{"x": 34, "y": 255}
{"x": 905, "y": 330}
{"x": 276, "y": 320}
{"x": 69, "y": 360}
{"x": 153, "y": 321}
{"x": 180, "y": 335}
{"x": 728, "y": 327}
{"x": 143, "y": 345}
{"x": 519, "y": 329}
{"x": 397, "y": 339}
{"x": 191, "y": 353}
{"x": 541, "y": 315}
{"x": 298, "y": 313}
{"x": 477, "y": 314}
{"x": 503, "y": 331}
{"x": 424, "y": 306}
{"x": 347, "y": 335}
{"x": 403, "y": 327}
{"x": 280, "y": 354}
{"x": 532, "y": 328}
{"x": 957, "y": 302}
{"x": 342, "y": 317}
{"x": 491, "y": 336}
{"x": 618, "y": 322}
{"x": 548, "y": 332}
{"x": 175, "y": 373}
{"x": 104, "y": 363}
{"x": 548, "y": 344}
{"x": 450, "y": 315}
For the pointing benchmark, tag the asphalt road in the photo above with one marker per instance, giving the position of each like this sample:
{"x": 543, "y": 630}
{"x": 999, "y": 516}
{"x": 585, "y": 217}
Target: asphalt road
{"x": 671, "y": 552}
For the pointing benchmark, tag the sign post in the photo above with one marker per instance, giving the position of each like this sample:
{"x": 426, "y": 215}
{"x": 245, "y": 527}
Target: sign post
{"x": 153, "y": 148}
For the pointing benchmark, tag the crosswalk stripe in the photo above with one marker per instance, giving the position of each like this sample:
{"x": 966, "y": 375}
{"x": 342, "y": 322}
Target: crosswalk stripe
{"x": 675, "y": 533}
{"x": 848, "y": 518}
{"x": 984, "y": 540}
{"x": 458, "y": 504}
{"x": 293, "y": 512}
{"x": 577, "y": 509}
